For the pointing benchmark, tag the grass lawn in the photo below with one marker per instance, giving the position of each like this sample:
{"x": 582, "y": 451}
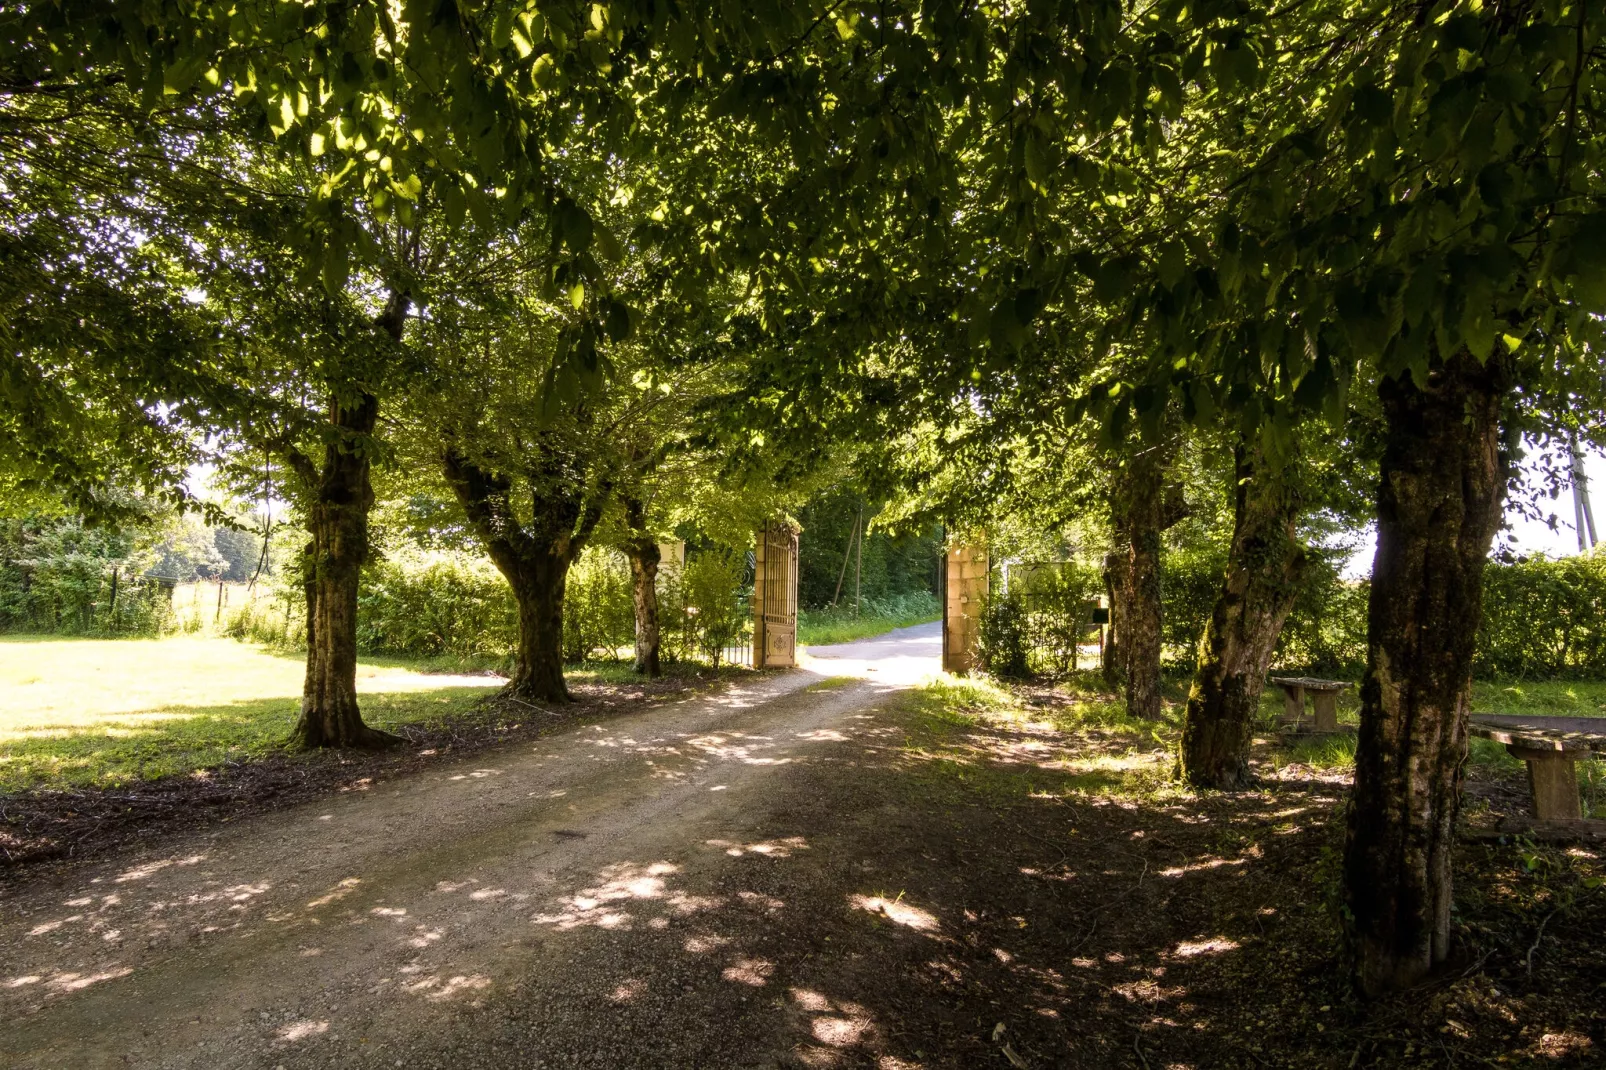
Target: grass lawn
{"x": 103, "y": 712}
{"x": 822, "y": 627}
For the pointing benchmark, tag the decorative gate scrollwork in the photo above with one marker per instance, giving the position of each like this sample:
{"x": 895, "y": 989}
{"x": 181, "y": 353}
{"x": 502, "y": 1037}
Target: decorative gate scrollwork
{"x": 775, "y": 597}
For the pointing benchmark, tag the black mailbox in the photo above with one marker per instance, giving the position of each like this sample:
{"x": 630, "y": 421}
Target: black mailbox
{"x": 1101, "y": 615}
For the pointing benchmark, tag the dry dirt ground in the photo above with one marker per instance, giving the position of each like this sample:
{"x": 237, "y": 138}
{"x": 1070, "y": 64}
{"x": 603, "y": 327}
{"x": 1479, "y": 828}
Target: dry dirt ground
{"x": 798, "y": 872}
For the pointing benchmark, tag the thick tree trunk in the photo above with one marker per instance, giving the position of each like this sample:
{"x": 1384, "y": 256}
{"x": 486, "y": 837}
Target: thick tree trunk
{"x": 1439, "y": 504}
{"x": 1139, "y": 510}
{"x": 644, "y": 557}
{"x": 534, "y": 560}
{"x": 539, "y": 584}
{"x": 1264, "y": 564}
{"x": 338, "y": 520}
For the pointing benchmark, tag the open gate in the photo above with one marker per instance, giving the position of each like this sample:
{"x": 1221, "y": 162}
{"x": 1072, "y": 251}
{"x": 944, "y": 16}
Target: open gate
{"x": 775, "y": 597}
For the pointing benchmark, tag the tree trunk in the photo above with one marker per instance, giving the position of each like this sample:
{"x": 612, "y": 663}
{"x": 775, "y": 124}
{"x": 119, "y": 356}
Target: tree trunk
{"x": 1264, "y": 564}
{"x": 534, "y": 560}
{"x": 1114, "y": 668}
{"x": 338, "y": 520}
{"x": 1439, "y": 504}
{"x": 1139, "y": 510}
{"x": 539, "y": 585}
{"x": 644, "y": 556}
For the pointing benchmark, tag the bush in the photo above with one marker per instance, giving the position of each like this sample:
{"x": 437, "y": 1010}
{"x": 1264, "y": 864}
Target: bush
{"x": 599, "y": 609}
{"x": 431, "y": 604}
{"x": 712, "y": 599}
{"x": 1002, "y": 644}
{"x": 1544, "y": 618}
{"x": 61, "y": 576}
{"x": 1037, "y": 624}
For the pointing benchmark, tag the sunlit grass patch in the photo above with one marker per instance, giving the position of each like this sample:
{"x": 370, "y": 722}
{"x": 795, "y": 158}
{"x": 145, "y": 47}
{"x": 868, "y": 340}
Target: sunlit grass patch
{"x": 100, "y": 713}
{"x": 1560, "y": 698}
{"x": 832, "y": 683}
{"x": 1318, "y": 752}
{"x": 980, "y": 738}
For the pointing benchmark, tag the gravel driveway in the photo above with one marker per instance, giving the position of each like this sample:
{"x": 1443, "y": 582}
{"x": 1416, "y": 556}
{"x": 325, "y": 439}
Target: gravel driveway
{"x": 579, "y": 901}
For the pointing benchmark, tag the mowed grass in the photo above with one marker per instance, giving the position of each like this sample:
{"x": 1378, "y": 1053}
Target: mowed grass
{"x": 105, "y": 712}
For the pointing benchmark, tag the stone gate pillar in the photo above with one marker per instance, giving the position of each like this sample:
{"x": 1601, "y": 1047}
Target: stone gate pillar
{"x": 775, "y": 597}
{"x": 965, "y": 589}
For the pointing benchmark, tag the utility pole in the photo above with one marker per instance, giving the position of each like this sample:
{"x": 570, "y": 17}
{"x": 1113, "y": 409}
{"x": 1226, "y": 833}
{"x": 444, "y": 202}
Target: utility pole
{"x": 1583, "y": 515}
{"x": 852, "y": 535}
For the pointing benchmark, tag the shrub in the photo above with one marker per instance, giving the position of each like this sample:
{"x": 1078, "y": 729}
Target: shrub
{"x": 59, "y": 575}
{"x": 1544, "y": 617}
{"x": 1039, "y": 621}
{"x": 1002, "y": 644}
{"x": 431, "y": 604}
{"x": 599, "y": 610}
{"x": 713, "y": 602}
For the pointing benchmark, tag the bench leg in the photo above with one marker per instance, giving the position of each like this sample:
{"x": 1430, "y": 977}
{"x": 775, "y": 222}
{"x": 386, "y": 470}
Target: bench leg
{"x": 1326, "y": 703}
{"x": 1553, "y": 783}
{"x": 1293, "y": 705}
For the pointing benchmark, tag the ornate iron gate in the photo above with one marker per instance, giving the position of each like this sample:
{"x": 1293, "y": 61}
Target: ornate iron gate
{"x": 775, "y": 597}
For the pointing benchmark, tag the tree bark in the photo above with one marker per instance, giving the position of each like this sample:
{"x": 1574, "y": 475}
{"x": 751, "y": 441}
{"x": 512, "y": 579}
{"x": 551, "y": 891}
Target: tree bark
{"x": 533, "y": 558}
{"x": 338, "y": 520}
{"x": 642, "y": 550}
{"x": 1114, "y": 667}
{"x": 1439, "y": 501}
{"x": 539, "y": 584}
{"x": 1264, "y": 564}
{"x": 1139, "y": 509}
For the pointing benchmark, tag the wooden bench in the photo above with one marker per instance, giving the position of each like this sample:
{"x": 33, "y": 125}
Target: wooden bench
{"x": 1551, "y": 746}
{"x": 1323, "y": 697}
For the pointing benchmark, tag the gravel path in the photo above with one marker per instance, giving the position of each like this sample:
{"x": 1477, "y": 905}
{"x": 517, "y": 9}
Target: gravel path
{"x": 573, "y": 902}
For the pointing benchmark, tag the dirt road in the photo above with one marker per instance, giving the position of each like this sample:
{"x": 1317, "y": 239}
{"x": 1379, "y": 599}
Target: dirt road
{"x": 585, "y": 900}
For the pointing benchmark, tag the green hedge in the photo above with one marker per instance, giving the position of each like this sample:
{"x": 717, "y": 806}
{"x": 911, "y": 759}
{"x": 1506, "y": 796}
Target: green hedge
{"x": 1544, "y": 618}
{"x": 60, "y": 576}
{"x": 430, "y": 605}
{"x": 1541, "y": 618}
{"x": 434, "y": 605}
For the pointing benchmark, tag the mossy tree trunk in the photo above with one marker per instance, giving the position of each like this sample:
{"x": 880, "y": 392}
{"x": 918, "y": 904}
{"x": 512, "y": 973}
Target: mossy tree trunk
{"x": 1143, "y": 506}
{"x": 1264, "y": 565}
{"x": 340, "y": 495}
{"x": 1439, "y": 501}
{"x": 534, "y": 556}
{"x": 337, "y": 516}
{"x": 642, "y": 550}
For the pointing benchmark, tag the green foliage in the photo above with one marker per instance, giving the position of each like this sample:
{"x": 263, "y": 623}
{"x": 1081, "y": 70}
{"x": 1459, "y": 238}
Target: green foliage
{"x": 599, "y": 612}
{"x": 888, "y": 566}
{"x": 821, "y": 627}
{"x": 60, "y": 575}
{"x": 712, "y": 599}
{"x": 1036, "y": 625}
{"x": 1003, "y": 643}
{"x": 1544, "y": 618}
{"x": 433, "y": 604}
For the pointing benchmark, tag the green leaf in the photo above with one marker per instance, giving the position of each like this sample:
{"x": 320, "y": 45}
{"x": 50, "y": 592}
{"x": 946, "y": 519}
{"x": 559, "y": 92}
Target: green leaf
{"x": 619, "y": 321}
{"x": 1173, "y": 263}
